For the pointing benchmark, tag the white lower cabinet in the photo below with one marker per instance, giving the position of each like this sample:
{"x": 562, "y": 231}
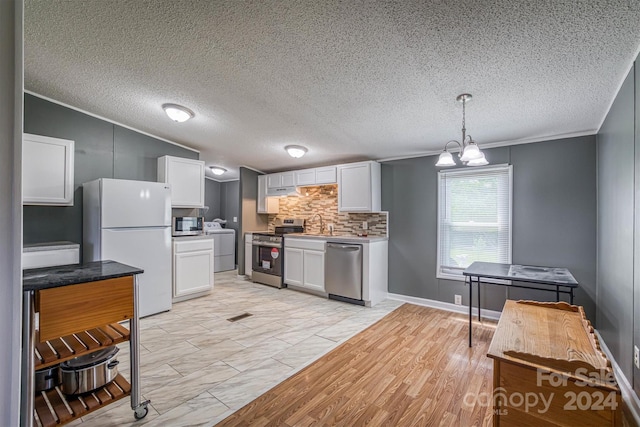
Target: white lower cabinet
{"x": 293, "y": 266}
{"x": 304, "y": 263}
{"x": 313, "y": 270}
{"x": 192, "y": 267}
{"x": 248, "y": 254}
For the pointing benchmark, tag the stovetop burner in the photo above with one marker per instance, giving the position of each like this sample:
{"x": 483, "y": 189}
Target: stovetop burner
{"x": 285, "y": 226}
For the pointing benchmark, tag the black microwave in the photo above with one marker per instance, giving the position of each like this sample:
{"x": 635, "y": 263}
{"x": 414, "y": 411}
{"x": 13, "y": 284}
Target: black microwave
{"x": 187, "y": 225}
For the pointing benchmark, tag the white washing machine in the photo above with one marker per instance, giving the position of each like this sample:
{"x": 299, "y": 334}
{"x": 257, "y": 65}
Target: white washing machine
{"x": 224, "y": 246}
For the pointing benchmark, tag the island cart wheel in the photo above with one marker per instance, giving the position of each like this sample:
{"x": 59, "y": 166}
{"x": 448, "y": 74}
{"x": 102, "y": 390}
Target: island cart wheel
{"x": 140, "y": 413}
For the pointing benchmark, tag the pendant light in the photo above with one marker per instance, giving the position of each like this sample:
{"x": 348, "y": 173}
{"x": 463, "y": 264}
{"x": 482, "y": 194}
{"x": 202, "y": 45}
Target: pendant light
{"x": 470, "y": 153}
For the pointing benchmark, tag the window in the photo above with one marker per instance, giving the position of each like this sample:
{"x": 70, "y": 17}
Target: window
{"x": 474, "y": 218}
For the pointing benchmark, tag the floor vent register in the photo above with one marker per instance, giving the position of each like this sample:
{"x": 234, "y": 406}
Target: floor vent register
{"x": 239, "y": 317}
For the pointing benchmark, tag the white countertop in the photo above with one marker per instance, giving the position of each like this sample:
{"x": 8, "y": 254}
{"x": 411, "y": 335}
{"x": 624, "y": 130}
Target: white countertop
{"x": 193, "y": 237}
{"x": 50, "y": 246}
{"x": 347, "y": 238}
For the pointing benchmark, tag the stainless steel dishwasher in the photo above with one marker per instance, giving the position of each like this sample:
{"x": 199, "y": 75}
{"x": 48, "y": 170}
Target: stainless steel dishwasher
{"x": 343, "y": 272}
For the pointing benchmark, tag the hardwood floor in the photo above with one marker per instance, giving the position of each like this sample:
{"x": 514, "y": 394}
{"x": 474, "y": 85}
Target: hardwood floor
{"x": 414, "y": 367}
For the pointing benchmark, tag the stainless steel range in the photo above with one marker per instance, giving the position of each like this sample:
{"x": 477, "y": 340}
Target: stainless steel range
{"x": 268, "y": 254}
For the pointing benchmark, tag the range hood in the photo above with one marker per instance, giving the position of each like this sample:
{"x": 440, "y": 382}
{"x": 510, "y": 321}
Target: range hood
{"x": 283, "y": 191}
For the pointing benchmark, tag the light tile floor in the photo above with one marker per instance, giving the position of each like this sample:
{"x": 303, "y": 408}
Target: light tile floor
{"x": 197, "y": 367}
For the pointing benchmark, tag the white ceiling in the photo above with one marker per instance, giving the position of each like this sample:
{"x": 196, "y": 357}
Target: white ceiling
{"x": 348, "y": 79}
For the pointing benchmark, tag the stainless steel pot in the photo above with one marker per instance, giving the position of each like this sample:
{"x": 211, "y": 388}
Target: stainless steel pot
{"x": 46, "y": 379}
{"x": 89, "y": 372}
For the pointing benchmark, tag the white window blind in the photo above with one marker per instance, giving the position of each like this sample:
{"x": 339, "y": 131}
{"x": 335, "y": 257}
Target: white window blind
{"x": 474, "y": 218}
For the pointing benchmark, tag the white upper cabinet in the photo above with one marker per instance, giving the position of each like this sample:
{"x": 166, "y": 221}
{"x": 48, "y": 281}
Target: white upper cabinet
{"x": 287, "y": 179}
{"x": 47, "y": 171}
{"x": 268, "y": 205}
{"x": 305, "y": 177}
{"x": 359, "y": 187}
{"x": 315, "y": 176}
{"x": 282, "y": 179}
{"x": 326, "y": 175}
{"x": 186, "y": 178}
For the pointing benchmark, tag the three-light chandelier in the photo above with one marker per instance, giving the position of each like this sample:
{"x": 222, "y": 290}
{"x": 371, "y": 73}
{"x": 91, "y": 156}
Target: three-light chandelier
{"x": 469, "y": 154}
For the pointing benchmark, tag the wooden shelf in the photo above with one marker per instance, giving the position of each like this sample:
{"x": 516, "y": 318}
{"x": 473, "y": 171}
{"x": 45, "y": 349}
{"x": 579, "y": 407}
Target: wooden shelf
{"x": 53, "y": 408}
{"x": 52, "y": 352}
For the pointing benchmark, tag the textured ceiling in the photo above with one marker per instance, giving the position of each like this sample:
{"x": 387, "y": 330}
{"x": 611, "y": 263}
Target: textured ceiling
{"x": 348, "y": 79}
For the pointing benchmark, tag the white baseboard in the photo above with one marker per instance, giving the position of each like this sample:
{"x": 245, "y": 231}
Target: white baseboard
{"x": 628, "y": 394}
{"x": 464, "y": 309}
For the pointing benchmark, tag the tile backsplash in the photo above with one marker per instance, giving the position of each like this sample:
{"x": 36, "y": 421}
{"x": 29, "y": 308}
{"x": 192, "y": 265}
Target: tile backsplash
{"x": 324, "y": 200}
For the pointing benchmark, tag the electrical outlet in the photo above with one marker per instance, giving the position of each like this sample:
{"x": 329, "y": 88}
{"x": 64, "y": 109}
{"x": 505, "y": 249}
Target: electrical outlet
{"x": 235, "y": 219}
{"x": 458, "y": 299}
{"x": 636, "y": 356}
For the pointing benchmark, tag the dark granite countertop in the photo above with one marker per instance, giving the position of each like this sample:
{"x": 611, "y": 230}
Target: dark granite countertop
{"x": 35, "y": 279}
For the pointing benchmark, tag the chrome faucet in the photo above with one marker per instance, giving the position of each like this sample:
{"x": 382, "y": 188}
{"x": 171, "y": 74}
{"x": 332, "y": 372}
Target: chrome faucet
{"x": 321, "y": 223}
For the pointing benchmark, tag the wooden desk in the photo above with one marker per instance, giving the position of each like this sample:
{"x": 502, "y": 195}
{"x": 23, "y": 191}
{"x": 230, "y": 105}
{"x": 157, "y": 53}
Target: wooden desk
{"x": 548, "y": 352}
{"x": 533, "y": 277}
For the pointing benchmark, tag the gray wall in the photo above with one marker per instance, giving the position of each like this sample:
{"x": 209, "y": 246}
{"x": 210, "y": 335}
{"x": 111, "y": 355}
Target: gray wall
{"x": 11, "y": 72}
{"x": 554, "y": 220}
{"x": 230, "y": 207}
{"x": 102, "y": 150}
{"x": 616, "y": 211}
{"x": 212, "y": 199}
{"x": 230, "y": 203}
{"x": 249, "y": 218}
{"x": 223, "y": 199}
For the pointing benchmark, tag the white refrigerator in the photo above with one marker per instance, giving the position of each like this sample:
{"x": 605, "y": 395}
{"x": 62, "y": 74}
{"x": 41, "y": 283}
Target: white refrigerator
{"x": 130, "y": 222}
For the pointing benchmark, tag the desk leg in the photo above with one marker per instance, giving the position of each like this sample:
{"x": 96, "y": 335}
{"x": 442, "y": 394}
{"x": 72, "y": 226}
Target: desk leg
{"x": 571, "y": 295}
{"x": 28, "y": 363}
{"x": 557, "y": 293}
{"x": 479, "y": 316}
{"x": 470, "y": 308}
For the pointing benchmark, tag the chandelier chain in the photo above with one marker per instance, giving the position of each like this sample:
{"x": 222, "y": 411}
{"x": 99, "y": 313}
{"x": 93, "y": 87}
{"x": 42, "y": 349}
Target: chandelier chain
{"x": 464, "y": 129}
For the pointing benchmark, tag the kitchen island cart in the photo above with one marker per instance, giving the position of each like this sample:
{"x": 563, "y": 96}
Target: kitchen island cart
{"x": 70, "y": 311}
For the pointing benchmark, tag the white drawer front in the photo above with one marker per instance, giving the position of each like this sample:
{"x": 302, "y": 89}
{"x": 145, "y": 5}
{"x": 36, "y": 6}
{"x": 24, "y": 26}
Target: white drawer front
{"x": 193, "y": 245}
{"x": 316, "y": 245}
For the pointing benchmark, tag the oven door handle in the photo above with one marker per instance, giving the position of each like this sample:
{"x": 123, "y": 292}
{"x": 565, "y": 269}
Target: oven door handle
{"x": 267, "y": 244}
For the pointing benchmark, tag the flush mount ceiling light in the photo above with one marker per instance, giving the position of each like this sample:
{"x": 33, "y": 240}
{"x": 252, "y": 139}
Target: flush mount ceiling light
{"x": 469, "y": 153}
{"x": 296, "y": 151}
{"x": 217, "y": 170}
{"x": 178, "y": 113}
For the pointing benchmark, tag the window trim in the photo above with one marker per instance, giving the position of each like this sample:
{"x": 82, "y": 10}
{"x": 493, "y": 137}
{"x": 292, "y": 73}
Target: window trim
{"x": 470, "y": 171}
